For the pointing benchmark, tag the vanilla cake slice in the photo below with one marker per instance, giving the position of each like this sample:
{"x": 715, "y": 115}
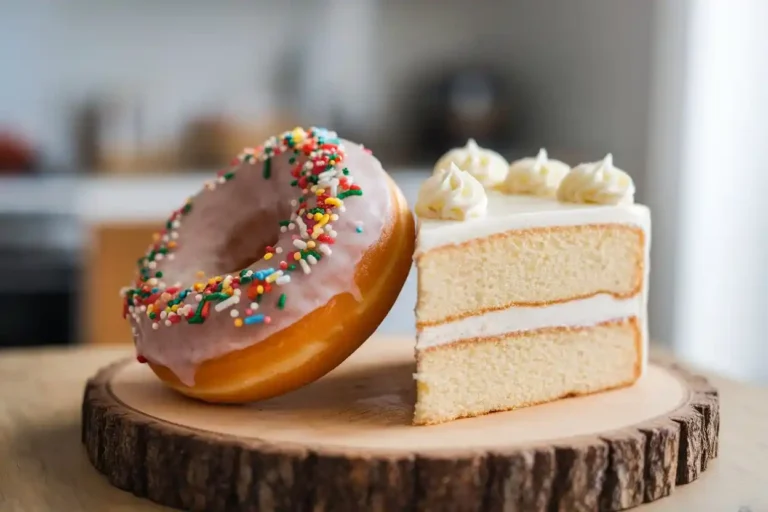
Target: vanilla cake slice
{"x": 532, "y": 284}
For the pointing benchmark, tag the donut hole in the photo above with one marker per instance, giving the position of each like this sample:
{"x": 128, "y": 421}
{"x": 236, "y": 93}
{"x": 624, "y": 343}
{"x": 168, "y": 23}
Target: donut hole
{"x": 247, "y": 242}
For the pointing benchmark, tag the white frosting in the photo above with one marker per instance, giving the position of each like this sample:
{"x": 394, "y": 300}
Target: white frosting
{"x": 508, "y": 212}
{"x": 597, "y": 182}
{"x": 538, "y": 176}
{"x": 489, "y": 167}
{"x": 451, "y": 194}
{"x": 576, "y": 313}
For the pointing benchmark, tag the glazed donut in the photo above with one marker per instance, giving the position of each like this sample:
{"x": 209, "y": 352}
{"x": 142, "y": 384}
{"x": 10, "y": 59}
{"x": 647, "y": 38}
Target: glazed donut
{"x": 274, "y": 273}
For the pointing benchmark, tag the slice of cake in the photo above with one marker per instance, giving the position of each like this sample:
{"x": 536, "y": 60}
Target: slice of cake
{"x": 530, "y": 290}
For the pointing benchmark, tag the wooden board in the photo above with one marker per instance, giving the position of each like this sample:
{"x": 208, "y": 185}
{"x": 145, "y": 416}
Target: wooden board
{"x": 346, "y": 443}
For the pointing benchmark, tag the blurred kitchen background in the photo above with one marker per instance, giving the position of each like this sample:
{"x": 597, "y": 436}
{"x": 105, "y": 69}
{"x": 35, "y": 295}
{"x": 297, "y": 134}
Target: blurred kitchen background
{"x": 111, "y": 113}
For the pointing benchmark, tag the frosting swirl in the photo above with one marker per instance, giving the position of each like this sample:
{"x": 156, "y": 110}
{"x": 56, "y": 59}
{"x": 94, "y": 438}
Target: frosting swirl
{"x": 538, "y": 176}
{"x": 597, "y": 182}
{"x": 451, "y": 194}
{"x": 487, "y": 166}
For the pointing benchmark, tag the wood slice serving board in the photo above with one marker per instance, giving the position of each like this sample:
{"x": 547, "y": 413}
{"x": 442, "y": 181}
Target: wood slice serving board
{"x": 346, "y": 443}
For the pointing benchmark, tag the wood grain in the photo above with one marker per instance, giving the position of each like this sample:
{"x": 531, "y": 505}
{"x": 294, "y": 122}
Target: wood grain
{"x": 44, "y": 467}
{"x": 193, "y": 469}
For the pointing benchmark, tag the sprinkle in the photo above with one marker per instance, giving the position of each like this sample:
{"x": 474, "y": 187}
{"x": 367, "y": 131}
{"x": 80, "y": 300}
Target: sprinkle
{"x": 254, "y": 306}
{"x": 274, "y": 276}
{"x": 234, "y": 313}
{"x": 302, "y": 226}
{"x": 262, "y": 274}
{"x": 254, "y": 319}
{"x": 268, "y": 256}
{"x": 350, "y": 192}
{"x": 297, "y": 256}
{"x": 283, "y": 280}
{"x": 300, "y": 244}
{"x": 168, "y": 323}
{"x": 267, "y": 168}
{"x": 259, "y": 289}
{"x": 283, "y": 229}
{"x": 325, "y": 249}
{"x": 279, "y": 250}
{"x": 311, "y": 259}
{"x": 228, "y": 303}
{"x": 239, "y": 322}
{"x": 305, "y": 266}
{"x": 281, "y": 300}
{"x": 198, "y": 297}
{"x": 155, "y": 325}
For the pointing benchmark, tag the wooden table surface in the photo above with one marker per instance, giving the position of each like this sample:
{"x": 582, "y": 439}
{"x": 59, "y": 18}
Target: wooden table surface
{"x": 43, "y": 466}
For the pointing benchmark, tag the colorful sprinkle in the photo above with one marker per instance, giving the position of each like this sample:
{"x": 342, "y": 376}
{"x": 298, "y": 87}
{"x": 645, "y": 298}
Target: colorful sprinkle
{"x": 254, "y": 319}
{"x": 228, "y": 303}
{"x": 322, "y": 185}
{"x": 281, "y": 301}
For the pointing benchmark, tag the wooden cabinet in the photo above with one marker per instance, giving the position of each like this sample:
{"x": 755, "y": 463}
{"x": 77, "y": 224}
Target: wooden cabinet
{"x": 111, "y": 264}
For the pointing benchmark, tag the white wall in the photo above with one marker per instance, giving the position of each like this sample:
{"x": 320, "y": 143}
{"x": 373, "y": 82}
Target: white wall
{"x": 583, "y": 65}
{"x": 722, "y": 276}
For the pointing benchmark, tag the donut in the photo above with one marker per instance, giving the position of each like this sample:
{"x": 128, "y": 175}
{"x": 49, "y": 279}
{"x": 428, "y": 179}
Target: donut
{"x": 274, "y": 273}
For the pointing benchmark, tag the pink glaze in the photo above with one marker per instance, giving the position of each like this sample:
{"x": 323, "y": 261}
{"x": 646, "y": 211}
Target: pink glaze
{"x": 229, "y": 226}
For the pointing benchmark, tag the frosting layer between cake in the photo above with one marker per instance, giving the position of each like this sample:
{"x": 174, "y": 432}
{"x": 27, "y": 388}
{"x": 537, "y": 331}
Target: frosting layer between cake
{"x": 576, "y": 313}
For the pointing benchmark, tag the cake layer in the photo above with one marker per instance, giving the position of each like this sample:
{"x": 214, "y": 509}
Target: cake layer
{"x": 481, "y": 375}
{"x": 577, "y": 313}
{"x": 534, "y": 266}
